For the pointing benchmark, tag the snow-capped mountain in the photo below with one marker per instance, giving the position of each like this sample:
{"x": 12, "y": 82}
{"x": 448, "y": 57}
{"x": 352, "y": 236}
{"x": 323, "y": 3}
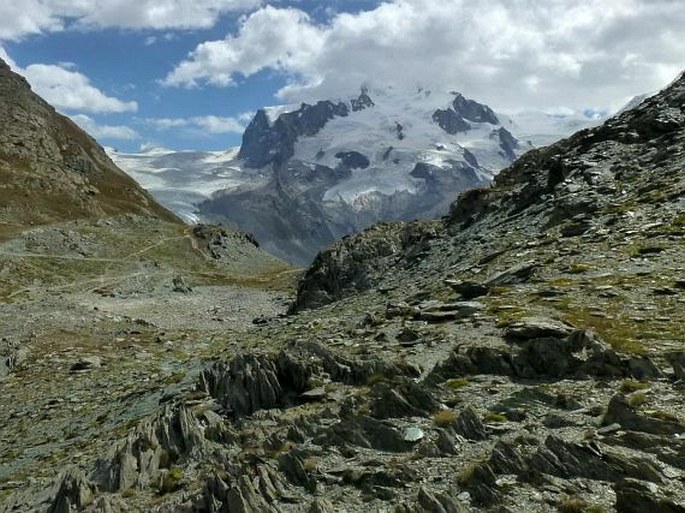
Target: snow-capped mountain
{"x": 336, "y": 167}
{"x": 309, "y": 174}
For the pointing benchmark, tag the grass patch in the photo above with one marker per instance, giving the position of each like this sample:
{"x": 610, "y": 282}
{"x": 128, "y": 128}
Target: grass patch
{"x": 578, "y": 268}
{"x": 467, "y": 475}
{"x": 577, "y": 505}
{"x": 638, "y": 399}
{"x": 619, "y": 333}
{"x": 171, "y": 481}
{"x": 376, "y": 378}
{"x": 664, "y": 415}
{"x": 456, "y": 383}
{"x": 444, "y": 418}
{"x": 632, "y": 385}
{"x": 495, "y": 417}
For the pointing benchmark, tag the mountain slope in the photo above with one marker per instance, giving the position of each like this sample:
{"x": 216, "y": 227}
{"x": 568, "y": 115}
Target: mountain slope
{"x": 307, "y": 175}
{"x": 51, "y": 170}
{"x": 525, "y": 354}
{"x": 181, "y": 180}
{"x": 67, "y": 212}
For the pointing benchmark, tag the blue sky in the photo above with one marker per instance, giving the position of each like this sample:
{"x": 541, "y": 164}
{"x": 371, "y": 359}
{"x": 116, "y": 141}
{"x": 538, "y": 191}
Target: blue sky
{"x": 188, "y": 74}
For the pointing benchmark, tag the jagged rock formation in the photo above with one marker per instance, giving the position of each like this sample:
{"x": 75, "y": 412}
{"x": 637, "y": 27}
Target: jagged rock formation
{"x": 355, "y": 263}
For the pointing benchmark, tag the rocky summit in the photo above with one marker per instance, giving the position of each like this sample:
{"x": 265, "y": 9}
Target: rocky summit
{"x": 523, "y": 354}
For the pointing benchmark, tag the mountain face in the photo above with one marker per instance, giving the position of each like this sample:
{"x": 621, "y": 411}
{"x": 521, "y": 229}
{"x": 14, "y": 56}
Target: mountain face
{"x": 68, "y": 214}
{"x": 623, "y": 177}
{"x": 51, "y": 170}
{"x": 307, "y": 175}
{"x": 522, "y": 354}
{"x": 333, "y": 168}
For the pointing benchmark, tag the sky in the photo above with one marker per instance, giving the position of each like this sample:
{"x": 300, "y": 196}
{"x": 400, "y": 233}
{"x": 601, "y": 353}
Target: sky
{"x": 190, "y": 74}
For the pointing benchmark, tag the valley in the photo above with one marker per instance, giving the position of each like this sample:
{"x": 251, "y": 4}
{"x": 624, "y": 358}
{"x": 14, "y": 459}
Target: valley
{"x": 522, "y": 354}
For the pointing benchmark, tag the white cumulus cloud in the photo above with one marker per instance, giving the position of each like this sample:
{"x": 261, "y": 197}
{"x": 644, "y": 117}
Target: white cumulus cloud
{"x": 70, "y": 90}
{"x": 281, "y": 39}
{"x": 19, "y": 18}
{"x": 209, "y": 124}
{"x": 104, "y": 131}
{"x": 510, "y": 53}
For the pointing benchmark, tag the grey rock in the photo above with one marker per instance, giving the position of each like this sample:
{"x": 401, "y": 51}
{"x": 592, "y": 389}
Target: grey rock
{"x": 473, "y": 111}
{"x": 413, "y": 434}
{"x": 321, "y": 505}
{"x": 633, "y": 496}
{"x": 439, "y": 503}
{"x": 150, "y": 448}
{"x": 356, "y": 263}
{"x": 517, "y": 274}
{"x": 12, "y": 356}
{"x": 620, "y": 412}
{"x": 611, "y": 428}
{"x": 591, "y": 461}
{"x": 469, "y": 425}
{"x": 264, "y": 143}
{"x": 677, "y": 361}
{"x": 365, "y": 431}
{"x": 87, "y": 363}
{"x": 537, "y": 327}
{"x": 468, "y": 289}
{"x": 450, "y": 121}
{"x": 402, "y": 398}
{"x": 74, "y": 493}
{"x": 450, "y": 311}
{"x": 292, "y": 466}
{"x": 178, "y": 284}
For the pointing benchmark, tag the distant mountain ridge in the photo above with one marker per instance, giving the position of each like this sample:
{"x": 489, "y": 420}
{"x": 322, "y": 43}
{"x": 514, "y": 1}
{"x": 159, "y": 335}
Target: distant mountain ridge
{"x": 335, "y": 167}
{"x": 307, "y": 175}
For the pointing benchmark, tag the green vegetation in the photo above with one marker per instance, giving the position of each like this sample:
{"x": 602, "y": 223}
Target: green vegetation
{"x": 495, "y": 417}
{"x": 637, "y": 399}
{"x": 171, "y": 481}
{"x": 456, "y": 383}
{"x": 376, "y": 378}
{"x": 632, "y": 385}
{"x": 577, "y": 505}
{"x": 444, "y": 418}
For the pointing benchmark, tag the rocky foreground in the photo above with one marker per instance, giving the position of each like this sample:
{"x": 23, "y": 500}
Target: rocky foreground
{"x": 524, "y": 355}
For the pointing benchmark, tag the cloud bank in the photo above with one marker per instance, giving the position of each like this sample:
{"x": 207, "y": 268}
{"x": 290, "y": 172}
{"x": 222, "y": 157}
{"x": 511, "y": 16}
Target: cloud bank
{"x": 20, "y": 18}
{"x": 104, "y": 131}
{"x": 70, "y": 90}
{"x": 510, "y": 53}
{"x": 208, "y": 124}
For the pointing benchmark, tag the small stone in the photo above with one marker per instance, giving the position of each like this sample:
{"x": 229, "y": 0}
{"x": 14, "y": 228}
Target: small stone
{"x": 537, "y": 327}
{"x": 464, "y": 496}
{"x": 413, "y": 434}
{"x": 314, "y": 394}
{"x": 87, "y": 363}
{"x": 611, "y": 428}
{"x": 178, "y": 284}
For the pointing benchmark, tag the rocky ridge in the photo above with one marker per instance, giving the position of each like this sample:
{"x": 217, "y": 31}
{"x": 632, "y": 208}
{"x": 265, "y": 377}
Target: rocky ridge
{"x": 523, "y": 355}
